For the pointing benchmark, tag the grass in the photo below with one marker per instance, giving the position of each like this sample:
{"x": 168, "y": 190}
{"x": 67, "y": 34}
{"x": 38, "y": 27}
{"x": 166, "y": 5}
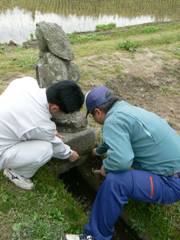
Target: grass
{"x": 49, "y": 210}
{"x": 44, "y": 213}
{"x": 77, "y": 38}
{"x": 17, "y": 60}
{"x": 94, "y": 43}
{"x": 158, "y": 222}
{"x": 128, "y": 45}
{"x": 105, "y": 27}
{"x": 150, "y": 29}
{"x": 93, "y": 36}
{"x": 166, "y": 90}
{"x": 157, "y": 31}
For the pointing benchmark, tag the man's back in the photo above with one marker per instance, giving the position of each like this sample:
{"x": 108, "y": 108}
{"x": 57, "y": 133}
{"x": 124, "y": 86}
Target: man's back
{"x": 154, "y": 145}
{"x": 23, "y": 107}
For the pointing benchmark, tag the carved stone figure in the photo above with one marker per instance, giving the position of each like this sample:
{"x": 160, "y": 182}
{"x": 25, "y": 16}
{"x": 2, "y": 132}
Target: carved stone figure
{"x": 55, "y": 64}
{"x": 56, "y": 56}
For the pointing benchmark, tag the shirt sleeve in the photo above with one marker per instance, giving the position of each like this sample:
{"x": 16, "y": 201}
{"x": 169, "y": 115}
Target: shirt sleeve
{"x": 60, "y": 149}
{"x": 39, "y": 133}
{"x": 101, "y": 149}
{"x": 120, "y": 154}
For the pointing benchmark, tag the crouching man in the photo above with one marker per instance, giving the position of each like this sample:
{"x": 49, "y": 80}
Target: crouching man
{"x": 28, "y": 136}
{"x": 142, "y": 162}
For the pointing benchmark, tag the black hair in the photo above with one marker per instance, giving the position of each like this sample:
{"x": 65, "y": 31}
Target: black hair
{"x": 66, "y": 94}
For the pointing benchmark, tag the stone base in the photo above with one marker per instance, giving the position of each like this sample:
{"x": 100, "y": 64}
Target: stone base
{"x": 83, "y": 142}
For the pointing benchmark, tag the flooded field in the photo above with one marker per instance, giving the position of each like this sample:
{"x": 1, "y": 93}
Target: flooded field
{"x": 18, "y": 18}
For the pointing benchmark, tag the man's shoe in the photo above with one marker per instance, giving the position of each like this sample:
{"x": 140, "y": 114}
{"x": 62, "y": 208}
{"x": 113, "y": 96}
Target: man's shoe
{"x": 18, "y": 180}
{"x": 78, "y": 237}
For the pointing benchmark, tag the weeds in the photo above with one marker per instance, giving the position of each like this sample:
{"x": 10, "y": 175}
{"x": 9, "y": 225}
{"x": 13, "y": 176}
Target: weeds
{"x": 105, "y": 27}
{"x": 128, "y": 45}
{"x": 150, "y": 29}
{"x": 176, "y": 52}
{"x": 37, "y": 229}
{"x": 44, "y": 213}
{"x": 25, "y": 63}
{"x": 158, "y": 220}
{"x": 83, "y": 38}
{"x": 2, "y": 50}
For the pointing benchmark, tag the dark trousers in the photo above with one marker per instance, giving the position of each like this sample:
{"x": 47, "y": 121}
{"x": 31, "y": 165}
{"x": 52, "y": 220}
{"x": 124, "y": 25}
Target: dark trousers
{"x": 115, "y": 191}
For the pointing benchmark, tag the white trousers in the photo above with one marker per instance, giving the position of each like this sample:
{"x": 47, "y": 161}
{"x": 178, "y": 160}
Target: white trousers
{"x": 25, "y": 158}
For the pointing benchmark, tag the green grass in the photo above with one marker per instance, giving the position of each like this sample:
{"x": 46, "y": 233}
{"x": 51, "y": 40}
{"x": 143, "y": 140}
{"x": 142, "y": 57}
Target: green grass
{"x": 161, "y": 221}
{"x": 105, "y": 27}
{"x": 150, "y": 29}
{"x": 129, "y": 38}
{"x": 17, "y": 60}
{"x": 128, "y": 45}
{"x": 166, "y": 90}
{"x": 44, "y": 213}
{"x": 176, "y": 51}
{"x": 156, "y": 31}
{"x": 83, "y": 38}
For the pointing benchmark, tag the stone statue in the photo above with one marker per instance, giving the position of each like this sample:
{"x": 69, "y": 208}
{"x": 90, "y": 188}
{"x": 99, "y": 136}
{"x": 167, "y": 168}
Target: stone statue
{"x": 56, "y": 56}
{"x": 55, "y": 64}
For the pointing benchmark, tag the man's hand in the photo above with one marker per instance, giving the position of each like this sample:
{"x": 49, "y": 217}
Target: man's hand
{"x": 59, "y": 135}
{"x": 102, "y": 171}
{"x": 94, "y": 152}
{"x": 74, "y": 156}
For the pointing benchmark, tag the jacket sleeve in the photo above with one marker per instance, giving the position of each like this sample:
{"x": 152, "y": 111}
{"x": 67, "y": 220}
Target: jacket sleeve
{"x": 60, "y": 149}
{"x": 101, "y": 149}
{"x": 120, "y": 154}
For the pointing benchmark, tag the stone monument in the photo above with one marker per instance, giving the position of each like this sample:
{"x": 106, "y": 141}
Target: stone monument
{"x": 55, "y": 64}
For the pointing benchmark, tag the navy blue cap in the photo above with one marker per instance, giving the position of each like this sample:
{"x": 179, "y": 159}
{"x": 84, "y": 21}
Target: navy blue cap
{"x": 96, "y": 97}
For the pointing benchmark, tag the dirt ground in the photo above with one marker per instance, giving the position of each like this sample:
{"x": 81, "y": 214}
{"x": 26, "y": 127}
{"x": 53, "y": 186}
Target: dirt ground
{"x": 150, "y": 80}
{"x": 154, "y": 83}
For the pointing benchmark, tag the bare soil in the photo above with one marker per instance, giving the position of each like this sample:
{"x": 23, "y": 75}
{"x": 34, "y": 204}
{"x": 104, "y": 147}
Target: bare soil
{"x": 147, "y": 78}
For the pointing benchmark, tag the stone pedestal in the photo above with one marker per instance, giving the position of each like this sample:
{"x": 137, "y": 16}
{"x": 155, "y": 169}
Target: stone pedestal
{"x": 82, "y": 142}
{"x": 73, "y": 128}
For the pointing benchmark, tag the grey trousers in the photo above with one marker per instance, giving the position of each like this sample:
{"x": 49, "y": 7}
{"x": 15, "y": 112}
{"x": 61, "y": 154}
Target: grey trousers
{"x": 25, "y": 158}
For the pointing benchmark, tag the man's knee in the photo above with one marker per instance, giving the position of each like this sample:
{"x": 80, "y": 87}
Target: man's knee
{"x": 120, "y": 180}
{"x": 45, "y": 152}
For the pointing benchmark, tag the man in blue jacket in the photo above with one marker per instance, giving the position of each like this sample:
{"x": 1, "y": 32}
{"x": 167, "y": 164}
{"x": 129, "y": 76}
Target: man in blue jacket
{"x": 142, "y": 160}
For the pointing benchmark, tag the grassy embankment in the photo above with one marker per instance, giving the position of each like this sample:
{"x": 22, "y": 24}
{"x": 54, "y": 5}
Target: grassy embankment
{"x": 140, "y": 63}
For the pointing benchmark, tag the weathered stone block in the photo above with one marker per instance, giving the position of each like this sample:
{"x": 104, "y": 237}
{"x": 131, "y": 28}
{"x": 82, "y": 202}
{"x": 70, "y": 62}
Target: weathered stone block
{"x": 55, "y": 63}
{"x": 83, "y": 142}
{"x": 51, "y": 69}
{"x": 53, "y": 39}
{"x": 70, "y": 123}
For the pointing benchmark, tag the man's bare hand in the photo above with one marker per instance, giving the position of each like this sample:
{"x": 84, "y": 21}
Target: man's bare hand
{"x": 94, "y": 152}
{"x": 102, "y": 171}
{"x": 59, "y": 135}
{"x": 74, "y": 156}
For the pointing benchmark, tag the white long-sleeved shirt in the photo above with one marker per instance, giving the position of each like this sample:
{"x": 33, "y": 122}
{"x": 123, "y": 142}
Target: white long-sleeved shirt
{"x": 24, "y": 115}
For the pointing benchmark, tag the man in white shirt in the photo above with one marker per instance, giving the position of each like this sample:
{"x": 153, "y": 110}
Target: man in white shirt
{"x": 28, "y": 136}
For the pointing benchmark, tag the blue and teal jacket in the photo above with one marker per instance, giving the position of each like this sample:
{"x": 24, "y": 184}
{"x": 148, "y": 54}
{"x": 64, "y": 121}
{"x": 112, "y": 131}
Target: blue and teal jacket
{"x": 135, "y": 137}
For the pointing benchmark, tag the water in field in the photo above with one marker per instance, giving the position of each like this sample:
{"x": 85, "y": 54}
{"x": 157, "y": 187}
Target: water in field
{"x": 18, "y": 18}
